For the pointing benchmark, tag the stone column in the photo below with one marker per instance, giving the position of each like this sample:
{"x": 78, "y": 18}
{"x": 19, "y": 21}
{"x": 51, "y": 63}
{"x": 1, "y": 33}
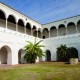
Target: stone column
{"x": 49, "y": 33}
{"x": 31, "y": 32}
{"x": 6, "y": 22}
{"x": 76, "y": 29}
{"x": 37, "y": 33}
{"x": 57, "y": 32}
{"x": 25, "y": 29}
{"x": 41, "y": 34}
{"x": 16, "y": 26}
{"x": 66, "y": 31}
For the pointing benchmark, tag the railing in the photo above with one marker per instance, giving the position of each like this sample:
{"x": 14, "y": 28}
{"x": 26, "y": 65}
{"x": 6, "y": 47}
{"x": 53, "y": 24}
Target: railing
{"x": 8, "y": 31}
{"x": 61, "y": 37}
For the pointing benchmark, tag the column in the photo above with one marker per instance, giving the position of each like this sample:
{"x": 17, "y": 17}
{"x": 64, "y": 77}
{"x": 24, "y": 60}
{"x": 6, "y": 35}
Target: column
{"x": 37, "y": 33}
{"x": 16, "y": 27}
{"x": 41, "y": 34}
{"x": 49, "y": 33}
{"x": 76, "y": 29}
{"x": 31, "y": 32}
{"x": 57, "y": 33}
{"x": 25, "y": 29}
{"x": 66, "y": 31}
{"x": 6, "y": 23}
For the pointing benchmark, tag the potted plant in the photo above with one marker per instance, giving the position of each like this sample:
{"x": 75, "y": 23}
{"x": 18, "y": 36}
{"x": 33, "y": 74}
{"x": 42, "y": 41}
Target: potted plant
{"x": 73, "y": 54}
{"x": 73, "y": 61}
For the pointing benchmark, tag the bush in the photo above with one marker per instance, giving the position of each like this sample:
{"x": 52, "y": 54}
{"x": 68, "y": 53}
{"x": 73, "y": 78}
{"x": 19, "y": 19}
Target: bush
{"x": 64, "y": 53}
{"x": 72, "y": 53}
{"x": 61, "y": 53}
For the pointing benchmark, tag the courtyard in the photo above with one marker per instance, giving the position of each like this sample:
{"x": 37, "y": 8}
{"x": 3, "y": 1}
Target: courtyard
{"x": 40, "y": 71}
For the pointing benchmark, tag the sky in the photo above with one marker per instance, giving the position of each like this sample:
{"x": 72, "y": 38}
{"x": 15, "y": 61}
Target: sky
{"x": 45, "y": 11}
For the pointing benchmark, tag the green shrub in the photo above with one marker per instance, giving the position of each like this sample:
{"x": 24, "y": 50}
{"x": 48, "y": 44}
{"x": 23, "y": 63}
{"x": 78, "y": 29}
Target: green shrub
{"x": 64, "y": 53}
{"x": 61, "y": 53}
{"x": 72, "y": 53}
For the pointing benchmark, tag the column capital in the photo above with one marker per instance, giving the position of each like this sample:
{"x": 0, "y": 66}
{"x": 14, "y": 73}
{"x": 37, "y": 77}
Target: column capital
{"x": 16, "y": 20}
{"x": 6, "y": 16}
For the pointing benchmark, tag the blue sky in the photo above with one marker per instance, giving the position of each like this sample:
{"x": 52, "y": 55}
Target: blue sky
{"x": 45, "y": 11}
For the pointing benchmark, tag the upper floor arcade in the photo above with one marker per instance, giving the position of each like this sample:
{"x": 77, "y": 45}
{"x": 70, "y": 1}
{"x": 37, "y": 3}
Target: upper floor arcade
{"x": 13, "y": 20}
{"x": 63, "y": 27}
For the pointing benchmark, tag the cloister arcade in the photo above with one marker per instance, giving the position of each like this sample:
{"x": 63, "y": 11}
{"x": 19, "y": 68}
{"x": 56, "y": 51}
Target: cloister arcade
{"x": 17, "y": 25}
{"x": 27, "y": 29}
{"x": 62, "y": 30}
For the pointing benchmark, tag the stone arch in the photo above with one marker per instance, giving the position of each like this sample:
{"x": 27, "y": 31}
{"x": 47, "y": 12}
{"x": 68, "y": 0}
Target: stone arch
{"x": 45, "y": 33}
{"x": 48, "y": 55}
{"x": 28, "y": 28}
{"x": 12, "y": 22}
{"x": 39, "y": 33}
{"x": 34, "y": 30}
{"x": 5, "y": 55}
{"x": 12, "y": 18}
{"x": 53, "y": 31}
{"x": 34, "y": 27}
{"x": 71, "y": 28}
{"x": 2, "y": 19}
{"x": 35, "y": 33}
{"x": 3, "y": 13}
{"x": 61, "y": 30}
{"x": 21, "y": 26}
{"x": 21, "y": 56}
{"x": 78, "y": 26}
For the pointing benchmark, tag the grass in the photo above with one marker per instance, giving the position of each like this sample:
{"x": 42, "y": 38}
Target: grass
{"x": 41, "y": 71}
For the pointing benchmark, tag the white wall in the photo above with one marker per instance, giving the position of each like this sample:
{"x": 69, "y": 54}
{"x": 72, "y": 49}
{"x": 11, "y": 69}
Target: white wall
{"x": 69, "y": 40}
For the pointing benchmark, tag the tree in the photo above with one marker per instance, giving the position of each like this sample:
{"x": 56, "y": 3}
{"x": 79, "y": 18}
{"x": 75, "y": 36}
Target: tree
{"x": 33, "y": 50}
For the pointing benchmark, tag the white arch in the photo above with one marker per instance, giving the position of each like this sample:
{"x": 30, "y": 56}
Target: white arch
{"x": 29, "y": 24}
{"x": 22, "y": 21}
{"x": 9, "y": 54}
{"x": 21, "y": 54}
{"x": 13, "y": 16}
{"x": 4, "y": 13}
{"x": 71, "y": 22}
{"x": 35, "y": 27}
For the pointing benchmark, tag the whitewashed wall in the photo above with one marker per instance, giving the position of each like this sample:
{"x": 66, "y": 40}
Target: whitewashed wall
{"x": 69, "y": 40}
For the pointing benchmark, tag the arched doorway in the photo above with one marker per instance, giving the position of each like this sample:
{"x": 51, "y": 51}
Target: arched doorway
{"x": 21, "y": 56}
{"x": 5, "y": 55}
{"x": 48, "y": 55}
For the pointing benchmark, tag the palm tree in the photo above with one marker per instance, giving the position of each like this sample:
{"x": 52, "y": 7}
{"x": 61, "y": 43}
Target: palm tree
{"x": 33, "y": 50}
